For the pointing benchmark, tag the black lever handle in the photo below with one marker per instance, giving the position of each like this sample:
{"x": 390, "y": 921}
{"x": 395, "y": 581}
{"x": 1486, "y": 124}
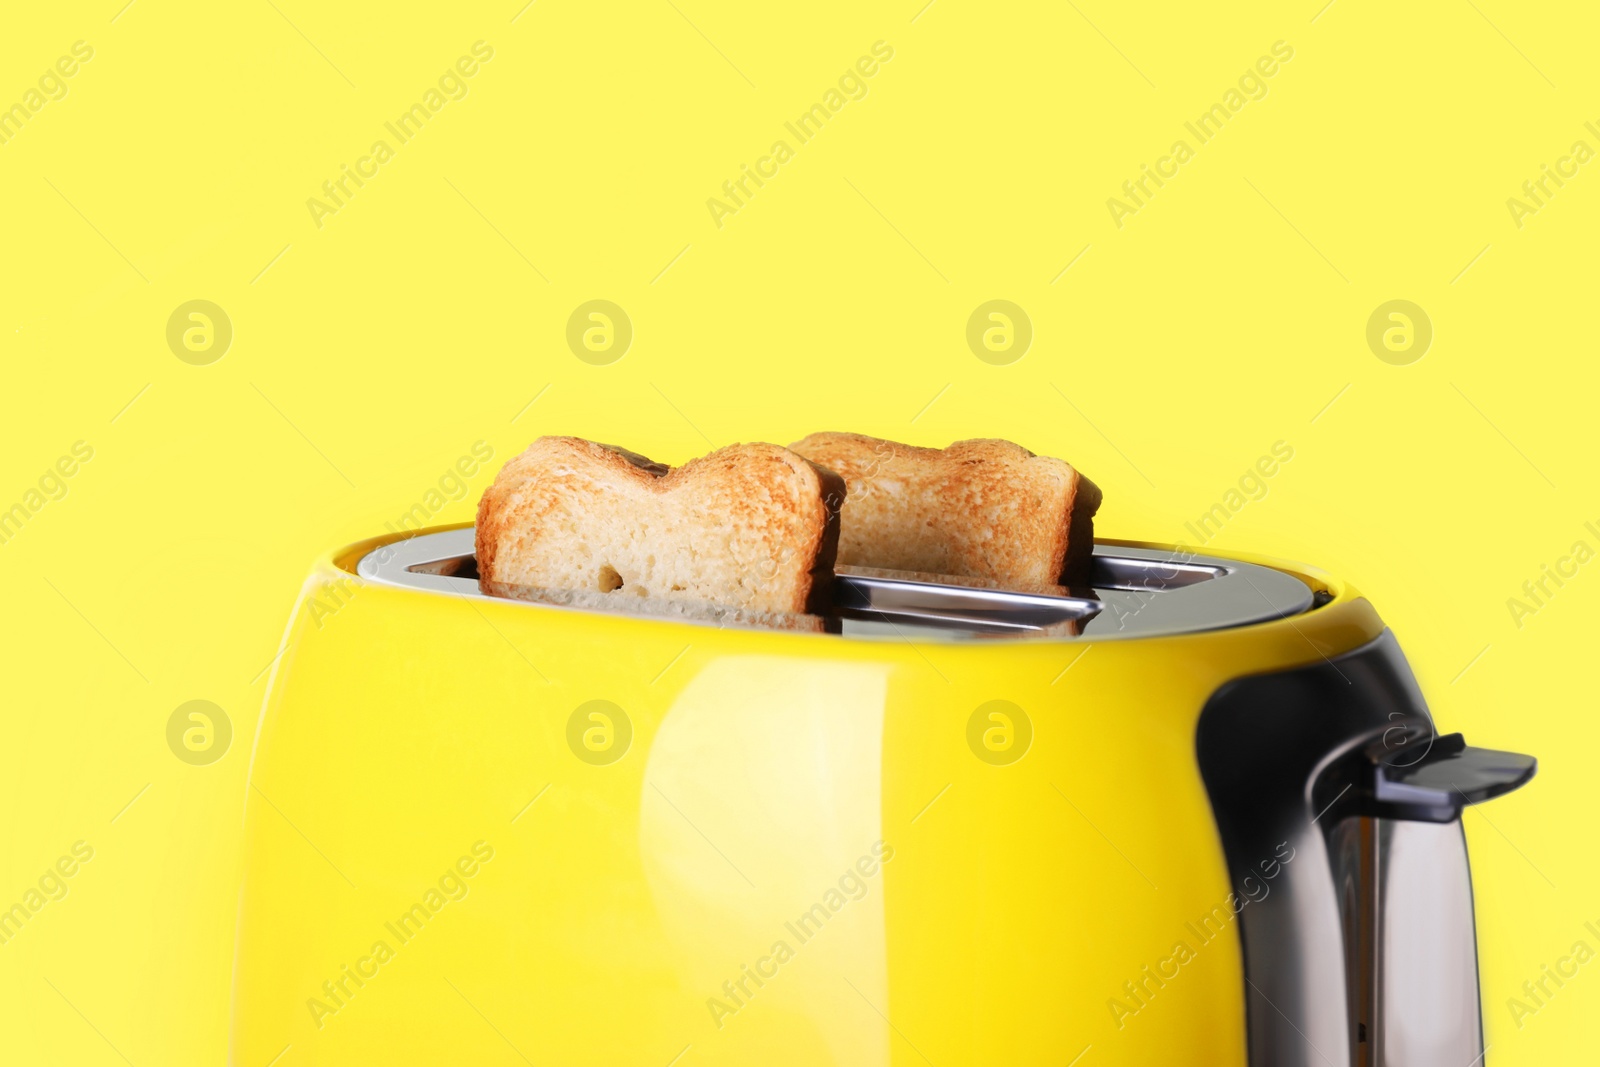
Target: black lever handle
{"x": 1435, "y": 787}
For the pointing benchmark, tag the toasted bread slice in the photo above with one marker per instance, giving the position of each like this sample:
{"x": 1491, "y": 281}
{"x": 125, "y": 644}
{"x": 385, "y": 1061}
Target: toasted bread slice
{"x": 979, "y": 509}
{"x": 751, "y": 527}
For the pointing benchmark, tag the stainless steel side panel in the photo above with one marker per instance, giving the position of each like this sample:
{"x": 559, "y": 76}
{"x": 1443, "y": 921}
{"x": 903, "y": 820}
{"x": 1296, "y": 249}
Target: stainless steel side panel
{"x": 1426, "y": 958}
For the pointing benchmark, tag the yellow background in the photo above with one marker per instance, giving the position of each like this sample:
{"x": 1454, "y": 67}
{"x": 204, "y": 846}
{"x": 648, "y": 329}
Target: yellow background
{"x": 369, "y": 354}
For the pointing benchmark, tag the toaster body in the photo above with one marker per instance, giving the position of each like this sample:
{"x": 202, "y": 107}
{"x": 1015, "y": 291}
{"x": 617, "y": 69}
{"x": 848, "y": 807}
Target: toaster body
{"x": 1196, "y": 813}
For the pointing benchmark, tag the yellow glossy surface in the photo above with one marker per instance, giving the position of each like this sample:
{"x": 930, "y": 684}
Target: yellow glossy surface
{"x": 968, "y": 910}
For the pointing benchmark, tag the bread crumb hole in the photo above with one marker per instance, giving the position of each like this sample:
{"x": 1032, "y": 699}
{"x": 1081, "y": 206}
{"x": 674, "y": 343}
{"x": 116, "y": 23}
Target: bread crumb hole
{"x": 610, "y": 580}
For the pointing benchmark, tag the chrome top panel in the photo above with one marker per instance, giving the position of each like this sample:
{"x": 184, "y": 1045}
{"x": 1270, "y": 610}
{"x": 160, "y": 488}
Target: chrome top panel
{"x": 1133, "y": 592}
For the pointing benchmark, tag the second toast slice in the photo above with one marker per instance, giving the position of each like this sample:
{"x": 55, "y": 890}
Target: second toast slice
{"x": 985, "y": 509}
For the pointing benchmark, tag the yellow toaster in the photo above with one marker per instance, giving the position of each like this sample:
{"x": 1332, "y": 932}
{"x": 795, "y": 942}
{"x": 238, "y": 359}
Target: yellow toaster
{"x": 1193, "y": 813}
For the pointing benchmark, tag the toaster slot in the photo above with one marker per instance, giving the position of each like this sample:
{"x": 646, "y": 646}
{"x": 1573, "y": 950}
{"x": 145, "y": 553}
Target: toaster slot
{"x": 894, "y": 601}
{"x": 450, "y": 567}
{"x": 1133, "y": 573}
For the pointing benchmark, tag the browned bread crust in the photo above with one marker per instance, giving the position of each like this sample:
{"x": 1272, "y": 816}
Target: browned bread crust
{"x": 750, "y": 526}
{"x": 985, "y": 509}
